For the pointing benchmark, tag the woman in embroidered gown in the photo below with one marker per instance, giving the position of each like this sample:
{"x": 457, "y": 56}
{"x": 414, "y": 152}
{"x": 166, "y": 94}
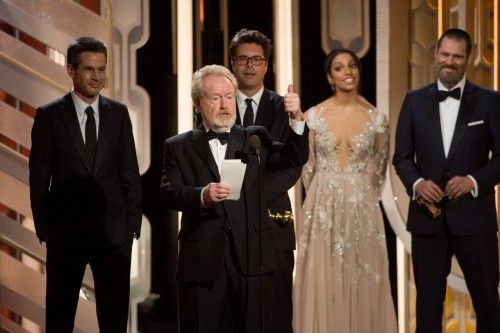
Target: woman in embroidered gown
{"x": 342, "y": 280}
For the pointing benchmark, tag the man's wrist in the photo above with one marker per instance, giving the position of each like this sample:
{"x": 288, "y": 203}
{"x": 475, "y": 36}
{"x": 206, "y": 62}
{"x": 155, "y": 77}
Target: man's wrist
{"x": 297, "y": 126}
{"x": 475, "y": 189}
{"x": 202, "y": 199}
{"x": 415, "y": 187}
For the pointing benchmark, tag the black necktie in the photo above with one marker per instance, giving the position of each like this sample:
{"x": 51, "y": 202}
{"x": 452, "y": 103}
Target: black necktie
{"x": 443, "y": 94}
{"x": 248, "y": 117}
{"x": 223, "y": 137}
{"x": 90, "y": 136}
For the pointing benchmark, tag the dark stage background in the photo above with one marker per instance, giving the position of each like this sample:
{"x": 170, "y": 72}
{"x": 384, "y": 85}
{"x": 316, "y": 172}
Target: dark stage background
{"x": 156, "y": 73}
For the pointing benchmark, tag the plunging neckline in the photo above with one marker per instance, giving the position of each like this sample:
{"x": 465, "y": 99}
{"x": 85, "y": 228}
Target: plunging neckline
{"x": 330, "y": 133}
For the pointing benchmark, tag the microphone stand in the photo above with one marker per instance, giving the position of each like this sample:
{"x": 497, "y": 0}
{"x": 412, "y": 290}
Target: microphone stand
{"x": 255, "y": 144}
{"x": 261, "y": 268}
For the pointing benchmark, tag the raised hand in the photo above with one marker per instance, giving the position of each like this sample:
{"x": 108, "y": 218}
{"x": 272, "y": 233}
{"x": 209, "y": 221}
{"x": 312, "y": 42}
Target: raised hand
{"x": 292, "y": 104}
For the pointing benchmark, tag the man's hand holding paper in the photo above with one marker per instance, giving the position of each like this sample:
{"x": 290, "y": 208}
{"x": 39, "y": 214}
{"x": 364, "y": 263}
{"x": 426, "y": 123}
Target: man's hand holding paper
{"x": 214, "y": 192}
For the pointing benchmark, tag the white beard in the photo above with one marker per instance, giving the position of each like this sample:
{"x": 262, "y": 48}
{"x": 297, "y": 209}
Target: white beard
{"x": 222, "y": 126}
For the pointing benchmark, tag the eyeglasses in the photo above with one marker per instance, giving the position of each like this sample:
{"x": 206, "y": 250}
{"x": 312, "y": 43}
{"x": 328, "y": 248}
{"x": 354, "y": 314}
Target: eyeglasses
{"x": 243, "y": 60}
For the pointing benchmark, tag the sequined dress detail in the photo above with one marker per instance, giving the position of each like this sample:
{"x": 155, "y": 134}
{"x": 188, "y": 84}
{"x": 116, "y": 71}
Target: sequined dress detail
{"x": 342, "y": 281}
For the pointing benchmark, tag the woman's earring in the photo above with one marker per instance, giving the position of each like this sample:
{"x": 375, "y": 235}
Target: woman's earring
{"x": 330, "y": 82}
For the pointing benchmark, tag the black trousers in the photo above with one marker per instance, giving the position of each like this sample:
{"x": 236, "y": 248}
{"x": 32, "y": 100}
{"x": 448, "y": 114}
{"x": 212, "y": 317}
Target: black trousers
{"x": 478, "y": 259}
{"x": 111, "y": 272}
{"x": 281, "y": 321}
{"x": 232, "y": 303}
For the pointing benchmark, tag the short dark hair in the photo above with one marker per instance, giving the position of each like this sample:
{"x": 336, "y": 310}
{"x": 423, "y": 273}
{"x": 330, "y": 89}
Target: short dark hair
{"x": 246, "y": 36}
{"x": 336, "y": 52}
{"x": 457, "y": 34}
{"x": 84, "y": 44}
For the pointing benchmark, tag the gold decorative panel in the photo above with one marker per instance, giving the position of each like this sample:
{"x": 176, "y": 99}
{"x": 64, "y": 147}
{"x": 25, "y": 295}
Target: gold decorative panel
{"x": 345, "y": 23}
{"x": 423, "y": 30}
{"x": 482, "y": 69}
{"x": 459, "y": 314}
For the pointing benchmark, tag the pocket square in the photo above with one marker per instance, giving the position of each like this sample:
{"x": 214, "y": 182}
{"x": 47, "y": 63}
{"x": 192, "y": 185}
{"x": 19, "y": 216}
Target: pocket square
{"x": 475, "y": 123}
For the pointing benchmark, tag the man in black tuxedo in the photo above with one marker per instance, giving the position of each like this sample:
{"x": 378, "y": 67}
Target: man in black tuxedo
{"x": 220, "y": 256}
{"x": 448, "y": 156}
{"x": 85, "y": 193}
{"x": 250, "y": 51}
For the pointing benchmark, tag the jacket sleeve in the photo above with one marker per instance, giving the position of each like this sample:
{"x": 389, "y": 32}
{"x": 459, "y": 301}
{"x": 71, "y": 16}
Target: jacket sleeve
{"x": 278, "y": 182}
{"x": 488, "y": 176}
{"x": 293, "y": 153}
{"x": 175, "y": 193}
{"x": 130, "y": 178}
{"x": 40, "y": 167}
{"x": 378, "y": 162}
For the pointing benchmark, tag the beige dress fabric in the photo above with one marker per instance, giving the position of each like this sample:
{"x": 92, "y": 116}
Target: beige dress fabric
{"x": 342, "y": 280}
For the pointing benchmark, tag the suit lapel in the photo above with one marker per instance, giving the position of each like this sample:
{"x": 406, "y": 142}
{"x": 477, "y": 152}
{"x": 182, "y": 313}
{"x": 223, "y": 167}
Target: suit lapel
{"x": 467, "y": 103}
{"x": 263, "y": 118}
{"x": 238, "y": 119}
{"x": 202, "y": 148}
{"x": 434, "y": 121}
{"x": 235, "y": 145}
{"x": 68, "y": 113}
{"x": 236, "y": 142}
{"x": 102, "y": 139}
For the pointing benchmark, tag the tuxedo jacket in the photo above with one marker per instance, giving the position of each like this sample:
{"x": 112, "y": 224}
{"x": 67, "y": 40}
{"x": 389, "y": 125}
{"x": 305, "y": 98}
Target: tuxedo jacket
{"x": 474, "y": 150}
{"x": 189, "y": 166}
{"x": 272, "y": 115}
{"x": 75, "y": 201}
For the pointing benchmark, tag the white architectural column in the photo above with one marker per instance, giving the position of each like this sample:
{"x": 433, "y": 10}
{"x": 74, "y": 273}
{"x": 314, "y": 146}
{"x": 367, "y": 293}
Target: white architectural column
{"x": 283, "y": 56}
{"x": 184, "y": 67}
{"x": 387, "y": 99}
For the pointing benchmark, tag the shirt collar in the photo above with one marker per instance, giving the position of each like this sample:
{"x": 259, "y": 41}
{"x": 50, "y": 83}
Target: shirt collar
{"x": 241, "y": 97}
{"x": 80, "y": 105}
{"x": 460, "y": 85}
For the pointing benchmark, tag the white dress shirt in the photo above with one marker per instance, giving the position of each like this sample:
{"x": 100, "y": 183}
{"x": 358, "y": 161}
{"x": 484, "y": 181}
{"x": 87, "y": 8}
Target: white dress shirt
{"x": 242, "y": 104}
{"x": 80, "y": 107}
{"x": 448, "y": 114}
{"x": 218, "y": 151}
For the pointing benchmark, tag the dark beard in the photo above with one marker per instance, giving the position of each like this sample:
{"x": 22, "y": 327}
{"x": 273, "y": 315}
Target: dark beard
{"x": 449, "y": 80}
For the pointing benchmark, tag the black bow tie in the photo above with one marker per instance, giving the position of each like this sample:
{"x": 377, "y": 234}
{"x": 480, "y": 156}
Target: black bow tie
{"x": 443, "y": 94}
{"x": 222, "y": 136}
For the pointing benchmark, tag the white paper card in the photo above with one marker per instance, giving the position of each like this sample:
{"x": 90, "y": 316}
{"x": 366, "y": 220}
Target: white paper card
{"x": 232, "y": 173}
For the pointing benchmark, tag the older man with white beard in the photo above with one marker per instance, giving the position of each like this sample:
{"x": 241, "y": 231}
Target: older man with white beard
{"x": 227, "y": 247}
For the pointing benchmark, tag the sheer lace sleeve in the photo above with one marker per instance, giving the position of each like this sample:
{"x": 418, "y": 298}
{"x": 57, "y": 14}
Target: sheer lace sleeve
{"x": 309, "y": 168}
{"x": 378, "y": 161}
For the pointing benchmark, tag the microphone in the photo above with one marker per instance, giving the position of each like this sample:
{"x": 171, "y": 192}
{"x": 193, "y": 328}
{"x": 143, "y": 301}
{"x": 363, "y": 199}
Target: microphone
{"x": 254, "y": 143}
